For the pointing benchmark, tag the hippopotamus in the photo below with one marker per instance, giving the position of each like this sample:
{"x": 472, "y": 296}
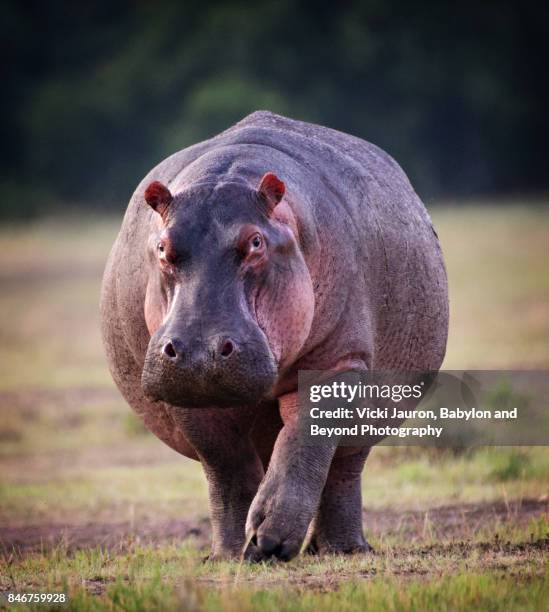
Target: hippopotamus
{"x": 275, "y": 247}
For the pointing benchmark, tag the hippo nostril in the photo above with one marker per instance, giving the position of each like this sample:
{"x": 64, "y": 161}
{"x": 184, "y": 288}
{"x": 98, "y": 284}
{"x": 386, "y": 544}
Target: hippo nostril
{"x": 227, "y": 347}
{"x": 169, "y": 350}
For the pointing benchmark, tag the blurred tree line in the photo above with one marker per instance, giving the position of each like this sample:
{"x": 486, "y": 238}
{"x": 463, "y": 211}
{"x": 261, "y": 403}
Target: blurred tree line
{"x": 97, "y": 92}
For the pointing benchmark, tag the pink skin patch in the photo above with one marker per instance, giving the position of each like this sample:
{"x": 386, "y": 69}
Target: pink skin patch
{"x": 285, "y": 307}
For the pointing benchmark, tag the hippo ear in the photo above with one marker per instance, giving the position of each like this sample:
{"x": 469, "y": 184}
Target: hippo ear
{"x": 158, "y": 197}
{"x": 271, "y": 189}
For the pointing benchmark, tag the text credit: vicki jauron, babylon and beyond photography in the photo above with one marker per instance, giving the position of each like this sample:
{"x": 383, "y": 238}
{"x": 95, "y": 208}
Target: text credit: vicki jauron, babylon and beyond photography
{"x": 448, "y": 408}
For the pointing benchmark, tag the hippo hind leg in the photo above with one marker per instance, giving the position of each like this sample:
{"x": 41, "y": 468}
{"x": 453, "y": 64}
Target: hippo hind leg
{"x": 337, "y": 527}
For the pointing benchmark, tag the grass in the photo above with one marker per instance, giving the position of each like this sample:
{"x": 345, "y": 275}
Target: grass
{"x": 51, "y": 275}
{"x": 111, "y": 504}
{"x": 173, "y": 577}
{"x": 497, "y": 265}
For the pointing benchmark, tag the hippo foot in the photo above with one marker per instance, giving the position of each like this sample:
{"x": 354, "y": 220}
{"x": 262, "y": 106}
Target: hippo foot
{"x": 314, "y": 548}
{"x": 252, "y": 555}
{"x": 274, "y": 547}
{"x": 278, "y": 529}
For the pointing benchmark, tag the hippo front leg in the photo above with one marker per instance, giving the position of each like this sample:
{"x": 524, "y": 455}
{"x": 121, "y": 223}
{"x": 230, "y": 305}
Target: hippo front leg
{"x": 231, "y": 486}
{"x": 289, "y": 495}
{"x": 233, "y": 470}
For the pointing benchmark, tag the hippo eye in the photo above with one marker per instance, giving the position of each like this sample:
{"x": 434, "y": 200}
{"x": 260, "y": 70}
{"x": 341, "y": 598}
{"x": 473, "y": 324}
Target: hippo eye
{"x": 160, "y": 247}
{"x": 256, "y": 242}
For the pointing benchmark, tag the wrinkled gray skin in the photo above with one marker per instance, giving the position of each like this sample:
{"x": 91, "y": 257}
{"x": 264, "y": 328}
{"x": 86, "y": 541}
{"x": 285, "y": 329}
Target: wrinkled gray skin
{"x": 354, "y": 277}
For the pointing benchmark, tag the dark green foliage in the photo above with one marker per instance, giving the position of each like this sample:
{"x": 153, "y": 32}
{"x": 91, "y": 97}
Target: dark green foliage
{"x": 95, "y": 93}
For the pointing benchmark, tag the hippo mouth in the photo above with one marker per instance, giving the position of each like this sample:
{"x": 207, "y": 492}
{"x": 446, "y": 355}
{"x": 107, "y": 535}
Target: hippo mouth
{"x": 223, "y": 380}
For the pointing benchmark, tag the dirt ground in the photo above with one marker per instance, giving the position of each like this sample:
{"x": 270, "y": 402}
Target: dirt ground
{"x": 455, "y": 523}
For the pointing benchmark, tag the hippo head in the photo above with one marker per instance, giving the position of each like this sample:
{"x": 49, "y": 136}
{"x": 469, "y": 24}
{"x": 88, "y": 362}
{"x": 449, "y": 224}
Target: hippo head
{"x": 229, "y": 302}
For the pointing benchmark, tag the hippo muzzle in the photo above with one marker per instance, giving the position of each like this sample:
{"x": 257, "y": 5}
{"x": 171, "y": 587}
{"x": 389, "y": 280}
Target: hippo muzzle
{"x": 223, "y": 369}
